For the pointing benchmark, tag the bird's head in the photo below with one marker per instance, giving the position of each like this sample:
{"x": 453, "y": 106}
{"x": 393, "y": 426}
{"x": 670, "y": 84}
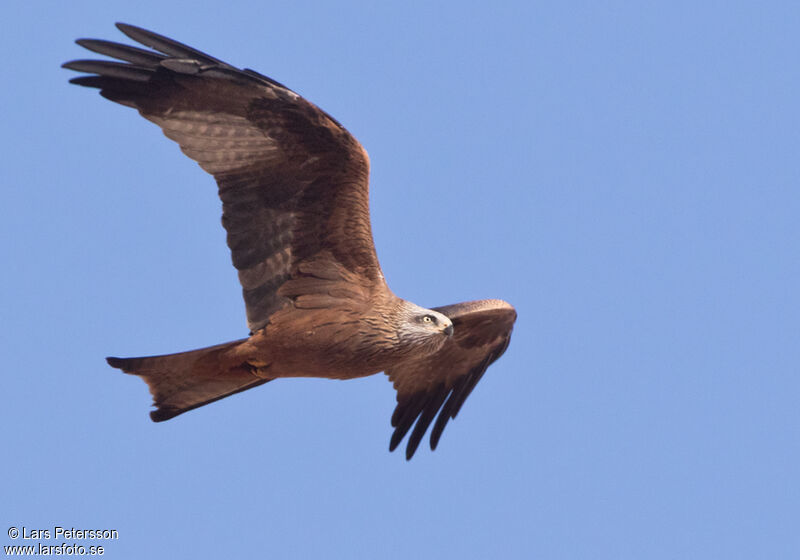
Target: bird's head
{"x": 423, "y": 330}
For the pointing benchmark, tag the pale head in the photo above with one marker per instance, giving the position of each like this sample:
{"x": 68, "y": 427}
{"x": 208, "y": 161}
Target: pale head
{"x": 422, "y": 330}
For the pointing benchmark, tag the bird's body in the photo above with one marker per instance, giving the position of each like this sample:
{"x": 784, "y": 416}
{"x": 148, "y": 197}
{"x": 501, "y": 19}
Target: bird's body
{"x": 295, "y": 205}
{"x": 362, "y": 341}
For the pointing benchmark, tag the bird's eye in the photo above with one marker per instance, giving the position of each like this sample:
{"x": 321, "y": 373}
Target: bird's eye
{"x": 428, "y": 319}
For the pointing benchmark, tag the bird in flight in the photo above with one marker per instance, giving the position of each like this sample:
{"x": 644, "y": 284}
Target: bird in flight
{"x": 294, "y": 186}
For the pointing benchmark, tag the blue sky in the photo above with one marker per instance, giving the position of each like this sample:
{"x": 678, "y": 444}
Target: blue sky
{"x": 626, "y": 175}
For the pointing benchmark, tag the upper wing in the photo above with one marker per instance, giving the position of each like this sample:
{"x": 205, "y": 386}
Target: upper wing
{"x": 481, "y": 332}
{"x": 293, "y": 181}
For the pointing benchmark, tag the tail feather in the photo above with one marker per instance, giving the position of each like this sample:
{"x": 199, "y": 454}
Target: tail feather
{"x": 187, "y": 380}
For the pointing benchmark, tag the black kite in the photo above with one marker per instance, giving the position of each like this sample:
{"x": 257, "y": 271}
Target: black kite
{"x": 294, "y": 190}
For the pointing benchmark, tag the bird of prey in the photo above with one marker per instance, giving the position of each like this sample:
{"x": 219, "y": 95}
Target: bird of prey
{"x": 295, "y": 205}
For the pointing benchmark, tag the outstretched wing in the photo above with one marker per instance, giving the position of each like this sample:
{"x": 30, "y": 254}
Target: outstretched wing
{"x": 442, "y": 382}
{"x": 293, "y": 181}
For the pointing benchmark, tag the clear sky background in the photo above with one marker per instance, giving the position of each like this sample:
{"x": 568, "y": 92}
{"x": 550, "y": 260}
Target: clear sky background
{"x": 626, "y": 174}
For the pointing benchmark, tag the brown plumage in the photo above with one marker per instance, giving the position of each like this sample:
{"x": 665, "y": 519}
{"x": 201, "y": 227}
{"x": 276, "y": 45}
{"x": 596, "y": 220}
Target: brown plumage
{"x": 295, "y": 205}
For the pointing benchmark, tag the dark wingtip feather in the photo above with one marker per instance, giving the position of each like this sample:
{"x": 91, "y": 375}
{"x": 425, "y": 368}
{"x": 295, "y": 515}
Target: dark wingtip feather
{"x": 166, "y": 45}
{"x": 165, "y": 413}
{"x": 111, "y": 69}
{"x": 127, "y": 365}
{"x": 132, "y": 30}
{"x": 128, "y": 53}
{"x": 119, "y": 363}
{"x": 428, "y": 413}
{"x": 410, "y": 411}
{"x": 418, "y": 411}
{"x": 395, "y": 440}
{"x": 439, "y": 426}
{"x": 89, "y": 81}
{"x": 142, "y": 65}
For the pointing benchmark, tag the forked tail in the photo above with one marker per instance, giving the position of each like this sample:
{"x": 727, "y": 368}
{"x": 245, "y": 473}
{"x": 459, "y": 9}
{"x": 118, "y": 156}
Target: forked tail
{"x": 187, "y": 380}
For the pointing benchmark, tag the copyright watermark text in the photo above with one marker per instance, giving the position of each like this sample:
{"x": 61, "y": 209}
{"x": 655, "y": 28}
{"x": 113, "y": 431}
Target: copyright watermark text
{"x": 34, "y": 542}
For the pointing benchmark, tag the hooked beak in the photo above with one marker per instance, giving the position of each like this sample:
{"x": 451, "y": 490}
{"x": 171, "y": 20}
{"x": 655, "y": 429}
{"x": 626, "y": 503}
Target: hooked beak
{"x": 448, "y": 330}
